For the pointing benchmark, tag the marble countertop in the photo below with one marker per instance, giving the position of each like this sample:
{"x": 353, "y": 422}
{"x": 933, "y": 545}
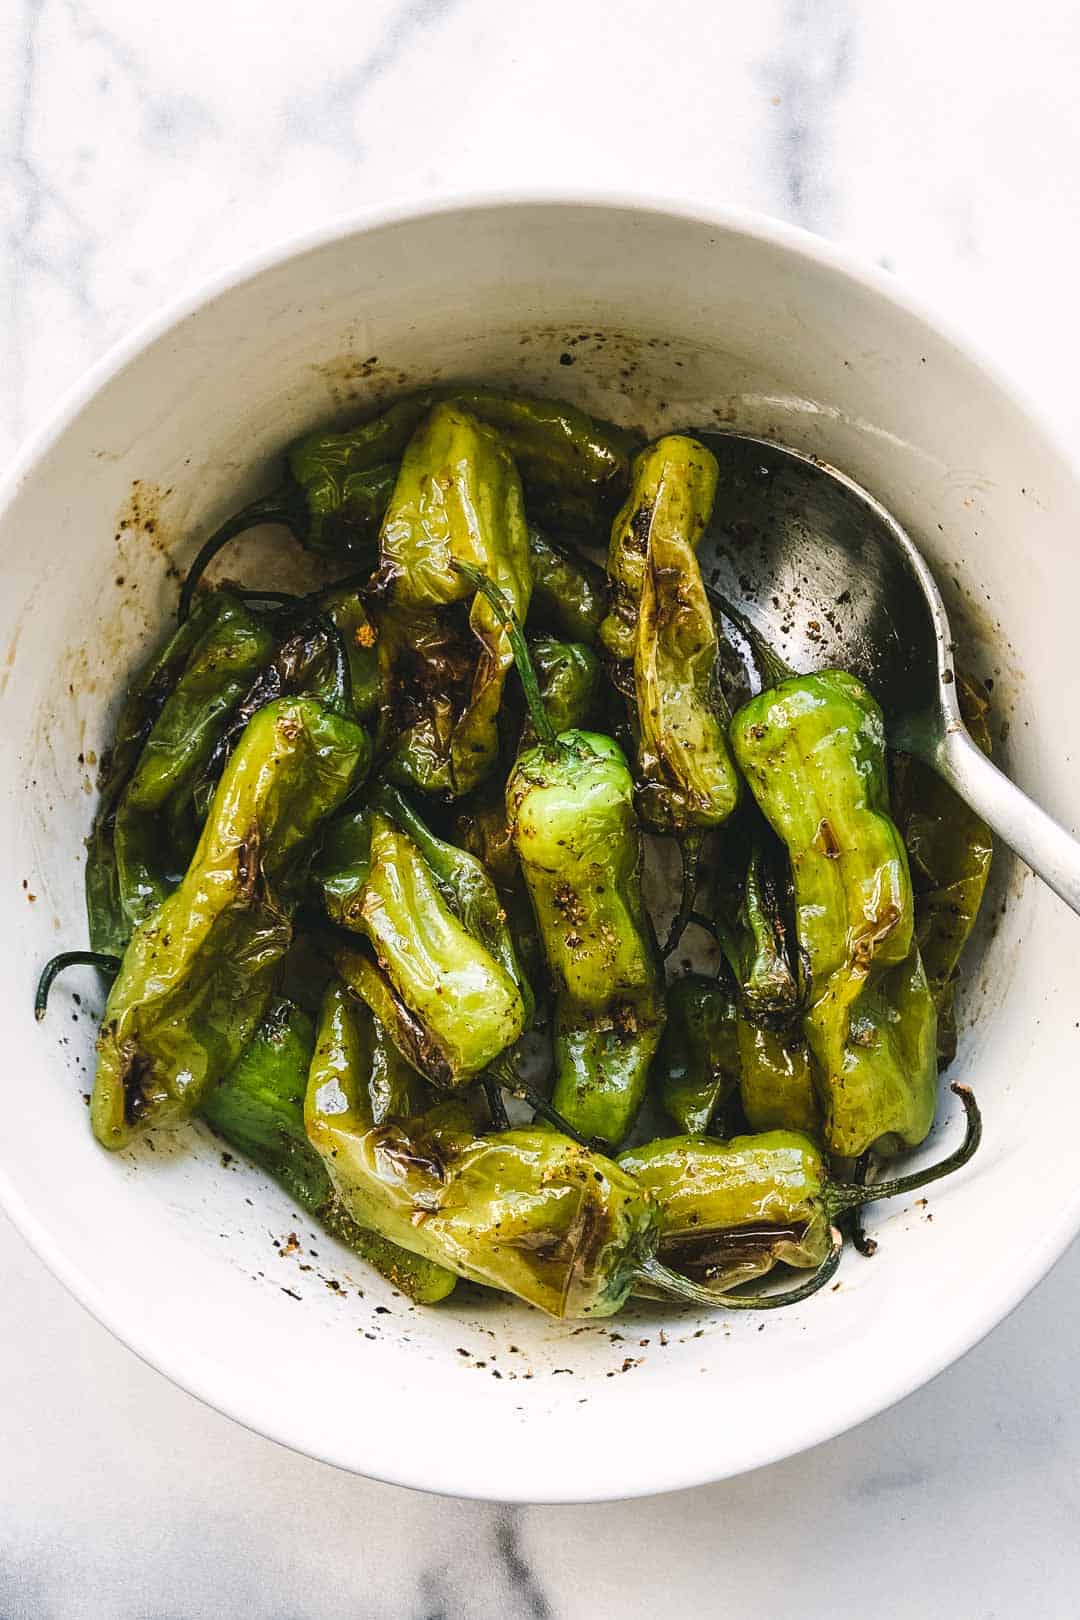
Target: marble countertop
{"x": 142, "y": 149}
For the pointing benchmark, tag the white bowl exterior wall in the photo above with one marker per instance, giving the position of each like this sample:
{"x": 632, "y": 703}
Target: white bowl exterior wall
{"x": 746, "y": 325}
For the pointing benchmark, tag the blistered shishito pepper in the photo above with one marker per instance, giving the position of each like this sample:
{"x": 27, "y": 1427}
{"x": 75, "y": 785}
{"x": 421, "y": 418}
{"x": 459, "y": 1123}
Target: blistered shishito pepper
{"x": 697, "y": 1066}
{"x": 339, "y": 484}
{"x": 569, "y": 805}
{"x": 569, "y": 593}
{"x": 527, "y": 1211}
{"x": 445, "y": 989}
{"x": 457, "y": 499}
{"x": 730, "y": 1211}
{"x": 776, "y": 1079}
{"x": 662, "y": 645}
{"x": 950, "y": 849}
{"x": 146, "y": 696}
{"x": 198, "y": 972}
{"x": 569, "y": 676}
{"x": 148, "y": 849}
{"x": 813, "y": 752}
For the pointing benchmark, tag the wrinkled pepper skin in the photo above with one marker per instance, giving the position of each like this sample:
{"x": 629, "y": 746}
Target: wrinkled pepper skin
{"x": 457, "y": 499}
{"x": 198, "y": 973}
{"x": 730, "y": 1211}
{"x": 445, "y": 999}
{"x": 232, "y": 649}
{"x": 345, "y": 480}
{"x": 573, "y": 825}
{"x": 661, "y": 637}
{"x": 527, "y": 1211}
{"x": 146, "y": 696}
{"x": 950, "y": 849}
{"x": 697, "y": 1066}
{"x": 813, "y": 752}
{"x": 569, "y": 593}
{"x": 758, "y": 952}
{"x": 343, "y": 1049}
{"x": 347, "y": 614}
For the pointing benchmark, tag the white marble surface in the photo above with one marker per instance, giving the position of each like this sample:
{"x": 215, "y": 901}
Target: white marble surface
{"x": 143, "y": 147}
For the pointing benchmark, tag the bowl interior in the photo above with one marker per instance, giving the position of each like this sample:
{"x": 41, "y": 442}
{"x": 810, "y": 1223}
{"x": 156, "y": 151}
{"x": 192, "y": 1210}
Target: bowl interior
{"x": 650, "y": 318}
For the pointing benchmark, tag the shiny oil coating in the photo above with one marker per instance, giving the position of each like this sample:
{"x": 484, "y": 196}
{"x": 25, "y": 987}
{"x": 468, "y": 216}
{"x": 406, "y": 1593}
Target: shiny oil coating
{"x": 458, "y": 498}
{"x": 197, "y": 974}
{"x": 662, "y": 627}
{"x": 813, "y": 752}
{"x": 771, "y": 1188}
{"x": 444, "y": 998}
{"x": 525, "y": 1210}
{"x": 569, "y": 593}
{"x": 776, "y": 1081}
{"x": 577, "y": 837}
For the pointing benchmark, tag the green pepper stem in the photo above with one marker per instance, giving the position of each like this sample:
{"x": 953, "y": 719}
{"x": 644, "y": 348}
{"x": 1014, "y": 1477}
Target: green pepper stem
{"x": 500, "y": 1119}
{"x": 690, "y": 846}
{"x": 99, "y": 959}
{"x": 673, "y": 1283}
{"x": 848, "y": 1195}
{"x": 866, "y": 1245}
{"x": 771, "y": 667}
{"x": 530, "y": 684}
{"x": 277, "y": 507}
{"x": 503, "y": 1073}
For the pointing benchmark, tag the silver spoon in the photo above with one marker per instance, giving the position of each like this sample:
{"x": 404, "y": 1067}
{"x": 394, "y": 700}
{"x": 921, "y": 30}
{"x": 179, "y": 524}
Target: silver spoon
{"x": 830, "y": 580}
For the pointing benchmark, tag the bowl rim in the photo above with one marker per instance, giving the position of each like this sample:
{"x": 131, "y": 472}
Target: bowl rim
{"x": 664, "y": 1473}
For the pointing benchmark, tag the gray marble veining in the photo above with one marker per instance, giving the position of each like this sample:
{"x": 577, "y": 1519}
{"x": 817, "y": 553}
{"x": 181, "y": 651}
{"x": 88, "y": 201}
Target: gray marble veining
{"x": 141, "y": 150}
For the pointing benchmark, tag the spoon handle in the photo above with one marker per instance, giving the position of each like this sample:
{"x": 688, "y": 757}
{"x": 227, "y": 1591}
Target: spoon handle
{"x": 1051, "y": 852}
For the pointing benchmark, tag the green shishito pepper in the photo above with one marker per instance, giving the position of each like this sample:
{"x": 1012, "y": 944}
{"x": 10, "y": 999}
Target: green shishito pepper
{"x": 527, "y": 1211}
{"x": 662, "y": 639}
{"x": 441, "y": 973}
{"x": 339, "y": 484}
{"x": 730, "y": 1211}
{"x": 198, "y": 972}
{"x": 457, "y": 499}
{"x": 569, "y": 593}
{"x": 813, "y": 752}
{"x": 258, "y": 1109}
{"x": 233, "y": 647}
{"x": 950, "y": 849}
{"x": 697, "y": 1066}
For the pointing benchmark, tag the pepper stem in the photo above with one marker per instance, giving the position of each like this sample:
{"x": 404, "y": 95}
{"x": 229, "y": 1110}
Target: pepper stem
{"x": 277, "y": 507}
{"x": 690, "y": 847}
{"x": 502, "y": 1072}
{"x": 849, "y": 1195}
{"x": 864, "y": 1243}
{"x": 673, "y": 1283}
{"x": 771, "y": 667}
{"x": 99, "y": 959}
{"x": 530, "y": 684}
{"x": 500, "y": 1119}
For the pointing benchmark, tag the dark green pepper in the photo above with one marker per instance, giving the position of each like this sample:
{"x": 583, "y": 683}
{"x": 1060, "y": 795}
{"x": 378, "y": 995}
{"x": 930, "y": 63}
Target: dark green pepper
{"x": 149, "y": 846}
{"x": 730, "y": 1211}
{"x": 813, "y": 752}
{"x": 950, "y": 849}
{"x": 198, "y": 973}
{"x": 441, "y": 974}
{"x": 258, "y": 1108}
{"x": 569, "y": 593}
{"x": 146, "y": 696}
{"x": 569, "y": 675}
{"x": 457, "y": 499}
{"x": 697, "y": 1066}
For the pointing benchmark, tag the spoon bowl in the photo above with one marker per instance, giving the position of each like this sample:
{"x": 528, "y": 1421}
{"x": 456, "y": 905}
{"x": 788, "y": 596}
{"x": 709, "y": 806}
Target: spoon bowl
{"x": 827, "y": 578}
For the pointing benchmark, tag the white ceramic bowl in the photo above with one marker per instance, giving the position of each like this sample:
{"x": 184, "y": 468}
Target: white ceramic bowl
{"x": 643, "y": 312}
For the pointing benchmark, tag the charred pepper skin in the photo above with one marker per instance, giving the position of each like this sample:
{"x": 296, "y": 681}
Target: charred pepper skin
{"x": 813, "y": 752}
{"x": 571, "y": 815}
{"x": 697, "y": 1066}
{"x": 661, "y": 637}
{"x": 443, "y": 988}
{"x": 730, "y": 1211}
{"x": 197, "y": 975}
{"x": 951, "y": 850}
{"x": 527, "y": 1211}
{"x": 457, "y": 499}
